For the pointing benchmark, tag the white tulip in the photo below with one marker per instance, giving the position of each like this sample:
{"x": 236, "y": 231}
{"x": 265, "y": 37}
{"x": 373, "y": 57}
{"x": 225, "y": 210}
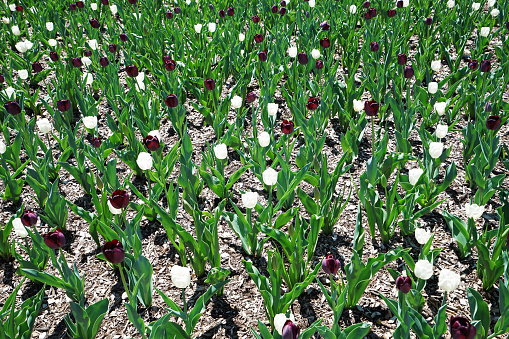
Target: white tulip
{"x": 3, "y": 147}
{"x": 12, "y": 7}
{"x": 15, "y": 30}
{"x": 249, "y": 199}
{"x": 212, "y": 27}
{"x": 440, "y": 107}
{"x": 6, "y": 20}
{"x": 494, "y": 12}
{"x": 90, "y": 122}
{"x": 422, "y": 236}
{"x": 198, "y": 27}
{"x": 28, "y": 44}
{"x": 441, "y": 131}
{"x": 280, "y": 320}
{"x": 93, "y": 44}
{"x": 242, "y": 52}
{"x": 89, "y": 78}
{"x": 414, "y": 174}
{"x": 474, "y": 211}
{"x": 19, "y": 228}
{"x": 242, "y": 37}
{"x": 450, "y": 3}
{"x": 436, "y": 65}
{"x": 353, "y": 9}
{"x": 114, "y": 210}
{"x": 476, "y": 6}
{"x": 492, "y": 3}
{"x": 113, "y": 9}
{"x": 23, "y": 74}
{"x": 269, "y": 176}
{"x": 312, "y": 3}
{"x": 315, "y": 54}
{"x": 435, "y": 149}
{"x": 10, "y": 92}
{"x": 264, "y": 139}
{"x": 292, "y": 51}
{"x": 448, "y": 280}
{"x": 432, "y": 87}
{"x": 21, "y": 47}
{"x": 44, "y": 125}
{"x": 155, "y": 133}
{"x": 93, "y": 6}
{"x": 52, "y": 42}
{"x": 485, "y": 31}
{"x": 180, "y": 276}
{"x": 144, "y": 161}
{"x": 221, "y": 151}
{"x": 358, "y": 105}
{"x": 423, "y": 269}
{"x": 272, "y": 108}
{"x": 50, "y": 26}
{"x": 406, "y": 3}
{"x": 86, "y": 61}
{"x": 236, "y": 102}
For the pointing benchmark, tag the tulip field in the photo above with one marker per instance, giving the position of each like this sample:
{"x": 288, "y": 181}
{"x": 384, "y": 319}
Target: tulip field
{"x": 254, "y": 169}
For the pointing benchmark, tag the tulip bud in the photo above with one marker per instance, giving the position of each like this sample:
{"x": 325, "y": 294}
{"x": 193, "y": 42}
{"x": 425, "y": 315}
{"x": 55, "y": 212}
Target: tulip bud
{"x": 428, "y": 21}
{"x": 151, "y": 142}
{"x": 324, "y": 25}
{"x": 312, "y": 103}
{"x": 408, "y": 72}
{"x": 493, "y": 122}
{"x": 255, "y": 19}
{"x": 55, "y": 239}
{"x": 250, "y": 97}
{"x": 104, "y": 61}
{"x": 436, "y": 149}
{"x": 290, "y": 330}
{"x": 63, "y": 105}
{"x": 119, "y": 199}
{"x": 391, "y": 13}
{"x": 325, "y": 42}
{"x": 113, "y": 251}
{"x": 12, "y": 107}
{"x": 292, "y": 51}
{"x": 287, "y": 127}
{"x": 19, "y": 228}
{"x": 319, "y": 64}
{"x": 132, "y": 71}
{"x": 366, "y": 4}
{"x": 402, "y": 59}
{"x": 440, "y": 107}
{"x": 258, "y": 38}
{"x": 330, "y": 265}
{"x": 180, "y": 276}
{"x": 170, "y": 65}
{"x": 96, "y": 142}
{"x": 485, "y": 66}
{"x": 414, "y": 175}
{"x": 94, "y": 23}
{"x": 461, "y": 328}
{"x": 221, "y": 151}
{"x": 473, "y": 64}
{"x": 274, "y": 9}
{"x": 209, "y": 84}
{"x": 88, "y": 53}
{"x": 36, "y": 67}
{"x": 90, "y": 122}
{"x": 371, "y": 13}
{"x": 19, "y": 8}
{"x": 432, "y": 87}
{"x": 315, "y": 54}
{"x": 112, "y": 48}
{"x": 269, "y": 176}
{"x": 144, "y": 161}
{"x": 76, "y": 62}
{"x": 441, "y": 131}
{"x": 169, "y": 14}
{"x": 54, "y": 56}
{"x": 264, "y": 139}
{"x": 171, "y": 101}
{"x": 29, "y": 218}
{"x": 262, "y": 56}
{"x": 230, "y": 11}
{"x": 404, "y": 284}
{"x": 374, "y": 46}
{"x": 423, "y": 269}
{"x": 80, "y": 4}
{"x": 249, "y": 199}
{"x": 272, "y": 109}
{"x": 44, "y": 126}
{"x": 177, "y": 10}
{"x": 282, "y": 11}
{"x": 236, "y": 102}
{"x": 72, "y": 7}
{"x": 371, "y": 107}
{"x": 222, "y": 13}
{"x": 105, "y": 2}
{"x": 302, "y": 58}
{"x": 436, "y": 65}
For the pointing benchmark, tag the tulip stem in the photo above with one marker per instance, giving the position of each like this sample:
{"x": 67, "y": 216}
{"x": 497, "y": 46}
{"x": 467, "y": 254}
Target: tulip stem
{"x": 125, "y": 286}
{"x": 149, "y": 185}
{"x": 444, "y": 300}
{"x": 373, "y": 138}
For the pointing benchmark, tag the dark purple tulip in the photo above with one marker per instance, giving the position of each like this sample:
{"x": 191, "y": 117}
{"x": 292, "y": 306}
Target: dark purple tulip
{"x": 113, "y": 251}
{"x": 391, "y": 13}
{"x": 36, "y": 67}
{"x": 255, "y": 19}
{"x": 258, "y": 38}
{"x": 132, "y": 2}
{"x": 222, "y": 13}
{"x": 170, "y": 65}
{"x": 80, "y": 4}
{"x": 507, "y": 24}
{"x": 123, "y": 37}
{"x": 105, "y": 2}
{"x": 88, "y": 53}
{"x": 64, "y": 105}
{"x": 488, "y": 107}
{"x": 319, "y": 64}
{"x": 53, "y": 56}
{"x": 211, "y": 7}
{"x": 461, "y": 328}
{"x": 282, "y": 3}
{"x": 287, "y": 127}
{"x": 55, "y": 239}
{"x": 485, "y": 66}
{"x": 167, "y": 59}
{"x": 312, "y": 103}
{"x": 493, "y": 122}
{"x": 371, "y": 107}
{"x": 374, "y": 46}
{"x": 402, "y": 59}
{"x": 12, "y": 107}
{"x": 325, "y": 42}
{"x": 119, "y": 199}
{"x": 169, "y": 14}
{"x": 473, "y": 64}
{"x": 230, "y": 11}
{"x": 104, "y": 61}
{"x": 282, "y": 11}
{"x": 2, "y": 79}
{"x": 399, "y": 4}
{"x": 274, "y": 9}
{"x": 177, "y": 10}
{"x": 404, "y": 284}
{"x": 372, "y": 13}
{"x": 96, "y": 142}
{"x": 408, "y": 72}
{"x": 94, "y": 23}
{"x": 307, "y": 14}
{"x": 262, "y": 56}
{"x": 210, "y": 84}
{"x": 76, "y": 62}
{"x": 19, "y": 8}
{"x": 132, "y": 71}
{"x": 366, "y": 4}
{"x": 302, "y": 58}
{"x": 112, "y": 48}
{"x": 428, "y": 21}
{"x": 290, "y": 330}
{"x": 151, "y": 142}
{"x": 325, "y": 25}
{"x": 250, "y": 97}
{"x": 29, "y": 218}
{"x": 72, "y": 7}
{"x": 330, "y": 265}
{"x": 171, "y": 100}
